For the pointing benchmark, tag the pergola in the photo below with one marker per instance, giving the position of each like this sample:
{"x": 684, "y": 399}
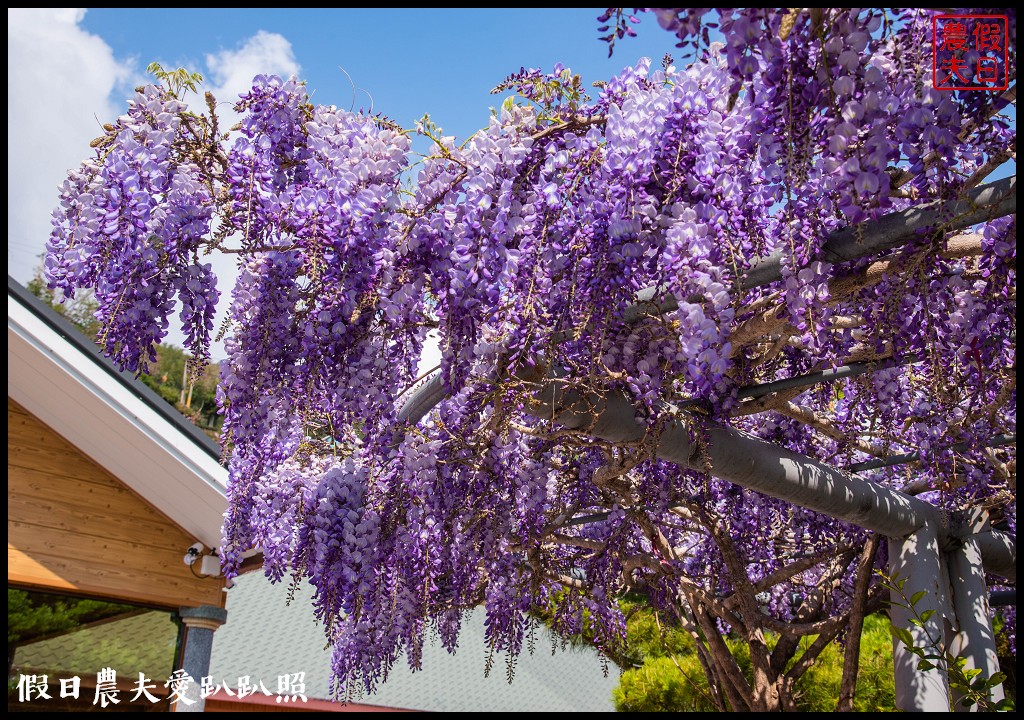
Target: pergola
{"x": 945, "y": 557}
{"x": 524, "y": 249}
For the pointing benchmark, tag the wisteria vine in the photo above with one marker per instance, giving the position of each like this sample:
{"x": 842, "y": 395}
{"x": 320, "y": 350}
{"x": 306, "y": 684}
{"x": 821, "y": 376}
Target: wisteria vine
{"x": 523, "y": 248}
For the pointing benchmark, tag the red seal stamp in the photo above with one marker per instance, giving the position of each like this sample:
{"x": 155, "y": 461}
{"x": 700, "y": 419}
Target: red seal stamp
{"x": 970, "y": 52}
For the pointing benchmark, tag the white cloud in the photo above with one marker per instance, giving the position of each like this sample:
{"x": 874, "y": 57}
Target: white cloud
{"x": 59, "y": 84}
{"x": 231, "y": 71}
{"x": 229, "y": 74}
{"x": 63, "y": 83}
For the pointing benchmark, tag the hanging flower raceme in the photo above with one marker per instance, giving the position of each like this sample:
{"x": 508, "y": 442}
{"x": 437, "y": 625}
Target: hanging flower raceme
{"x": 525, "y": 249}
{"x": 130, "y": 226}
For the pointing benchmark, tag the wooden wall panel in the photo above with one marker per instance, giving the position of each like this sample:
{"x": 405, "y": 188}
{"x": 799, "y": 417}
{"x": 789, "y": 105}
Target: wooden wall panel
{"x": 72, "y": 526}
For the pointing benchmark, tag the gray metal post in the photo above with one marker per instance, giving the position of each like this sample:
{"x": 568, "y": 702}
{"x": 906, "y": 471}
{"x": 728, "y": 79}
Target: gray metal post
{"x": 999, "y": 551}
{"x": 916, "y": 529}
{"x": 918, "y": 560}
{"x": 975, "y": 640}
{"x": 200, "y": 623}
{"x": 912, "y": 525}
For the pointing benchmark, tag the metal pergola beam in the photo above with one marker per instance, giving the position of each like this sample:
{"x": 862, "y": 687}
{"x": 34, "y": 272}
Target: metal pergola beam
{"x": 986, "y": 202}
{"x": 759, "y": 465}
{"x": 922, "y": 546}
{"x": 918, "y": 533}
{"x": 982, "y": 203}
{"x": 1003, "y": 598}
{"x": 917, "y": 562}
{"x": 904, "y": 458}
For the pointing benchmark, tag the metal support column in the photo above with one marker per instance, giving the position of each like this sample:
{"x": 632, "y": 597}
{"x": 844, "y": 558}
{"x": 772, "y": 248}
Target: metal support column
{"x": 975, "y": 640}
{"x": 917, "y": 559}
{"x": 200, "y": 623}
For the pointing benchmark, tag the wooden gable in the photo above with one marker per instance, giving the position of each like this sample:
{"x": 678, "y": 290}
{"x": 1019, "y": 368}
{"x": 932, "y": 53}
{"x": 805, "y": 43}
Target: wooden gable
{"x": 72, "y": 526}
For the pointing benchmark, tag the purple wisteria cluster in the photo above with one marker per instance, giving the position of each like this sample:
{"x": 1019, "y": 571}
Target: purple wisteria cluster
{"x": 130, "y": 226}
{"x": 524, "y": 249}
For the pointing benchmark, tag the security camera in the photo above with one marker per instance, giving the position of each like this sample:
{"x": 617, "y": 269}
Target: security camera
{"x": 193, "y": 552}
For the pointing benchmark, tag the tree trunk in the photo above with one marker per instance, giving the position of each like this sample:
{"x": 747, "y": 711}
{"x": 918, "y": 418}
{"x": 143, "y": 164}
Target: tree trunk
{"x": 851, "y": 657}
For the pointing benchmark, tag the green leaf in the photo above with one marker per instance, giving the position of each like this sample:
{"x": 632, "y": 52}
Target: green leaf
{"x": 918, "y": 623}
{"x": 903, "y": 635}
{"x": 997, "y": 678}
{"x": 510, "y": 102}
{"x": 925, "y": 665}
{"x": 918, "y": 597}
{"x": 926, "y": 615}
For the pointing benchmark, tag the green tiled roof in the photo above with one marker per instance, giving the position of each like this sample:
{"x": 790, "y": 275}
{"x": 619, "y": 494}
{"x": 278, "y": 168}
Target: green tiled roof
{"x": 144, "y": 642}
{"x": 265, "y": 638}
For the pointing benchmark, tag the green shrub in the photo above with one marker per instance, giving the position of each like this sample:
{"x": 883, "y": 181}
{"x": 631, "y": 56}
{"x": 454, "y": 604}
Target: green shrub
{"x": 670, "y": 678}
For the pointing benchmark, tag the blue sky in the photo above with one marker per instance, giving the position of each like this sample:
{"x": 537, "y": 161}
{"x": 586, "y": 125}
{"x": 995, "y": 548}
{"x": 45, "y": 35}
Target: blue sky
{"x": 411, "y": 61}
{"x": 71, "y": 70}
